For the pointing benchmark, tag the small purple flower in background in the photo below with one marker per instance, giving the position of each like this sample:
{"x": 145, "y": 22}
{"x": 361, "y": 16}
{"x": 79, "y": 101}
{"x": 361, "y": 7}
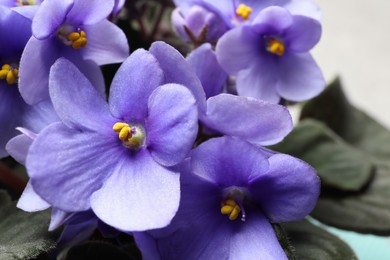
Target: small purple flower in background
{"x": 231, "y": 192}
{"x": 272, "y": 60}
{"x": 115, "y": 158}
{"x": 222, "y": 15}
{"x": 77, "y": 30}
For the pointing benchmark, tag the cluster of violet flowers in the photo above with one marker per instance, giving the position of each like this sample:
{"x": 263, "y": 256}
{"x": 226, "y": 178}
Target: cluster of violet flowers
{"x": 176, "y": 157}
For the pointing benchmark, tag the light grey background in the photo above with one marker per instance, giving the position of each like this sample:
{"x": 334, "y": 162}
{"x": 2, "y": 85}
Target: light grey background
{"x": 355, "y": 44}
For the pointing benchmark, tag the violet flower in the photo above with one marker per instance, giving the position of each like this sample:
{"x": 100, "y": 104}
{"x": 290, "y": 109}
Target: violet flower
{"x": 231, "y": 192}
{"x": 77, "y": 30}
{"x": 15, "y": 31}
{"x": 114, "y": 157}
{"x": 273, "y": 60}
{"x": 220, "y": 16}
{"x": 249, "y": 119}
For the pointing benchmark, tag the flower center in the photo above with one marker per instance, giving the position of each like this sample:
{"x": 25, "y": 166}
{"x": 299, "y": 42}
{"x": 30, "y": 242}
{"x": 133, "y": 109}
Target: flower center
{"x": 71, "y": 37}
{"x": 232, "y": 205}
{"x": 9, "y": 73}
{"x": 133, "y": 137}
{"x": 275, "y": 46}
{"x": 243, "y": 11}
{"x": 25, "y": 2}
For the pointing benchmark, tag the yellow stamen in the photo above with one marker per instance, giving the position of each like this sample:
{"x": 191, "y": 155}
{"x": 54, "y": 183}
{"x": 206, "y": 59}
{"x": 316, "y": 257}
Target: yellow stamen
{"x": 9, "y": 73}
{"x": 231, "y": 208}
{"x": 244, "y": 11}
{"x": 276, "y": 47}
{"x": 25, "y": 2}
{"x": 132, "y": 137}
{"x": 78, "y": 39}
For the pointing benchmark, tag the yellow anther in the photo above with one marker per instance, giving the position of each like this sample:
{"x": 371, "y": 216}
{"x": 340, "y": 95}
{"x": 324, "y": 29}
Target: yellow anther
{"x": 78, "y": 39}
{"x": 132, "y": 137}
{"x": 25, "y": 2}
{"x": 244, "y": 11}
{"x": 231, "y": 208}
{"x": 275, "y": 46}
{"x": 9, "y": 74}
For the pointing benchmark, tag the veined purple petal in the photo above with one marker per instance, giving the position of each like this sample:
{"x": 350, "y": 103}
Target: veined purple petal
{"x": 228, "y": 161}
{"x": 37, "y": 58}
{"x": 18, "y": 147}
{"x": 140, "y": 195}
{"x": 38, "y": 116}
{"x": 210, "y": 73}
{"x": 177, "y": 70}
{"x": 79, "y": 163}
{"x": 303, "y": 34}
{"x": 259, "y": 81}
{"x": 250, "y": 119}
{"x": 171, "y": 126}
{"x": 15, "y": 30}
{"x": 237, "y": 49}
{"x": 288, "y": 191}
{"x": 300, "y": 77}
{"x": 106, "y": 43}
{"x": 30, "y": 200}
{"x": 75, "y": 100}
{"x": 27, "y": 11}
{"x": 89, "y": 12}
{"x": 58, "y": 218}
{"x": 132, "y": 85}
{"x": 49, "y": 17}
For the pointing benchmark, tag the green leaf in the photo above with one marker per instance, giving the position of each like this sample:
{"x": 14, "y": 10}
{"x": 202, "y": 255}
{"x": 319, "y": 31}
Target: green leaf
{"x": 23, "y": 235}
{"x": 314, "y": 243}
{"x": 367, "y": 211}
{"x": 339, "y": 165}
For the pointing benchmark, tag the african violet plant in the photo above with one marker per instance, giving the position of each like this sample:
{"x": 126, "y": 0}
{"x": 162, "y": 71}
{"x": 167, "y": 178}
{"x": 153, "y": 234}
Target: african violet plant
{"x": 185, "y": 150}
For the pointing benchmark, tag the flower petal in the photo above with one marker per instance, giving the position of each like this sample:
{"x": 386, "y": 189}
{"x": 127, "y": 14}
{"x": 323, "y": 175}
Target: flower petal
{"x": 89, "y": 12}
{"x": 132, "y": 85}
{"x": 253, "y": 120}
{"x": 37, "y": 58}
{"x": 171, "y": 126}
{"x": 259, "y": 81}
{"x": 75, "y": 100}
{"x": 238, "y": 48}
{"x": 177, "y": 70}
{"x": 210, "y": 73}
{"x": 307, "y": 8}
{"x": 289, "y": 191}
{"x": 58, "y": 218}
{"x": 140, "y": 195}
{"x": 106, "y": 43}
{"x": 49, "y": 17}
{"x": 18, "y": 147}
{"x": 303, "y": 34}
{"x": 300, "y": 77}
{"x": 272, "y": 20}
{"x": 38, "y": 116}
{"x": 11, "y": 106}
{"x": 30, "y": 200}
{"x": 228, "y": 161}
{"x": 78, "y": 164}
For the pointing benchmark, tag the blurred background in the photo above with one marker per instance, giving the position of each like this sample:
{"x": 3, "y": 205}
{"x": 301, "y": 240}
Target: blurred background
{"x": 355, "y": 45}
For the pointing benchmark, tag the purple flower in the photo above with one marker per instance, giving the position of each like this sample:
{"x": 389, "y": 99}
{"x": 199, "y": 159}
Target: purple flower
{"x": 115, "y": 158}
{"x": 273, "y": 60}
{"x": 77, "y": 30}
{"x": 252, "y": 120}
{"x": 231, "y": 192}
{"x": 222, "y": 15}
{"x": 15, "y": 31}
